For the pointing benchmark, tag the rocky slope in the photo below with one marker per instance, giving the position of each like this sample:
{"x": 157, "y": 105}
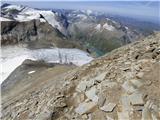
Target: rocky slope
{"x": 123, "y": 84}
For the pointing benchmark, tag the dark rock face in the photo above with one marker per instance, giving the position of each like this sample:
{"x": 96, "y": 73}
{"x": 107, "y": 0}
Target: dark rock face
{"x": 34, "y": 33}
{"x": 14, "y": 32}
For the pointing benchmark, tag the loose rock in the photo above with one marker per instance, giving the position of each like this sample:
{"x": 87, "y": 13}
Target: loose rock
{"x": 85, "y": 107}
{"x": 109, "y": 107}
{"x": 91, "y": 94}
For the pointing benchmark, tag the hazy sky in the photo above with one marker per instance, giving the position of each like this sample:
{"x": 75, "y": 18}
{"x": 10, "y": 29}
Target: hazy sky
{"x": 148, "y": 10}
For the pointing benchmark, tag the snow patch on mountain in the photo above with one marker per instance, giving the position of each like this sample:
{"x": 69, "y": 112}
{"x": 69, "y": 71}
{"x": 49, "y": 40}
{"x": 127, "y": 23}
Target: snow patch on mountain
{"x": 89, "y": 12}
{"x": 81, "y": 16}
{"x": 50, "y": 18}
{"x": 17, "y": 7}
{"x": 98, "y": 27}
{"x": 13, "y": 56}
{"x": 27, "y": 14}
{"x": 108, "y": 27}
{"x": 4, "y": 19}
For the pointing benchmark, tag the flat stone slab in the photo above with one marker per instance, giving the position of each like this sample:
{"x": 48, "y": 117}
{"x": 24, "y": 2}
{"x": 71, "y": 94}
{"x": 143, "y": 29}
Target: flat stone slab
{"x": 91, "y": 94}
{"x": 85, "y": 107}
{"x": 128, "y": 87}
{"x": 101, "y": 100}
{"x": 81, "y": 86}
{"x": 109, "y": 107}
{"x": 136, "y": 99}
{"x": 125, "y": 103}
{"x": 137, "y": 83}
{"x": 146, "y": 114}
{"x": 100, "y": 77}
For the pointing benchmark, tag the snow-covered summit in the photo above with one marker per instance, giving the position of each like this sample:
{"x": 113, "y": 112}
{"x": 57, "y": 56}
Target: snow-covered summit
{"x": 105, "y": 26}
{"x": 23, "y": 13}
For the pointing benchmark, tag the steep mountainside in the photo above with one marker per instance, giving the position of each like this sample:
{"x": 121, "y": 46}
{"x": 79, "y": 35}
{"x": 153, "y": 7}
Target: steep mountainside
{"x": 123, "y": 84}
{"x": 35, "y": 34}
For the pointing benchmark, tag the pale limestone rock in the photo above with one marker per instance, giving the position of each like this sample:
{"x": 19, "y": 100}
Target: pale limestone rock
{"x": 154, "y": 116}
{"x": 140, "y": 75}
{"x": 44, "y": 116}
{"x": 124, "y": 115}
{"x": 146, "y": 114}
{"x": 90, "y": 83}
{"x": 125, "y": 101}
{"x": 136, "y": 99}
{"x": 85, "y": 107}
{"x": 109, "y": 118}
{"x": 128, "y": 86}
{"x": 109, "y": 84}
{"x": 78, "y": 97}
{"x": 100, "y": 77}
{"x": 101, "y": 100}
{"x": 108, "y": 107}
{"x": 92, "y": 94}
{"x": 84, "y": 116}
{"x": 90, "y": 116}
{"x": 136, "y": 83}
{"x": 81, "y": 86}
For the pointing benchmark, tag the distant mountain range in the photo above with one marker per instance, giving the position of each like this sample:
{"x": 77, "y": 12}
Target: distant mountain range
{"x": 94, "y": 32}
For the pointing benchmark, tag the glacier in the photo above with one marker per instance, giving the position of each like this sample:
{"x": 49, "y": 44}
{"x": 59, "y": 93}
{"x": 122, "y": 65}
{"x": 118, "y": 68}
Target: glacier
{"x": 13, "y": 56}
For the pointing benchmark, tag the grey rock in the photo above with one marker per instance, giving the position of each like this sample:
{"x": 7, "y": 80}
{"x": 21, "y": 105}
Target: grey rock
{"x": 109, "y": 84}
{"x": 128, "y": 86}
{"x": 124, "y": 115}
{"x": 101, "y": 100}
{"x": 100, "y": 77}
{"x": 81, "y": 86}
{"x": 146, "y": 114}
{"x": 44, "y": 116}
{"x": 92, "y": 94}
{"x": 136, "y": 83}
{"x": 125, "y": 103}
{"x": 108, "y": 107}
{"x": 136, "y": 99}
{"x": 85, "y": 107}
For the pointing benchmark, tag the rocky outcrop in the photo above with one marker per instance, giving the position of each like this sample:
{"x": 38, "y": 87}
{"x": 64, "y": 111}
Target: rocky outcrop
{"x": 123, "y": 85}
{"x": 34, "y": 33}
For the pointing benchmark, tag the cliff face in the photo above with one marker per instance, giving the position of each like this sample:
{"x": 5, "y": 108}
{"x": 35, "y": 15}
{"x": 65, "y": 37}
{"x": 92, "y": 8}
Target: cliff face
{"x": 34, "y": 33}
{"x": 123, "y": 84}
